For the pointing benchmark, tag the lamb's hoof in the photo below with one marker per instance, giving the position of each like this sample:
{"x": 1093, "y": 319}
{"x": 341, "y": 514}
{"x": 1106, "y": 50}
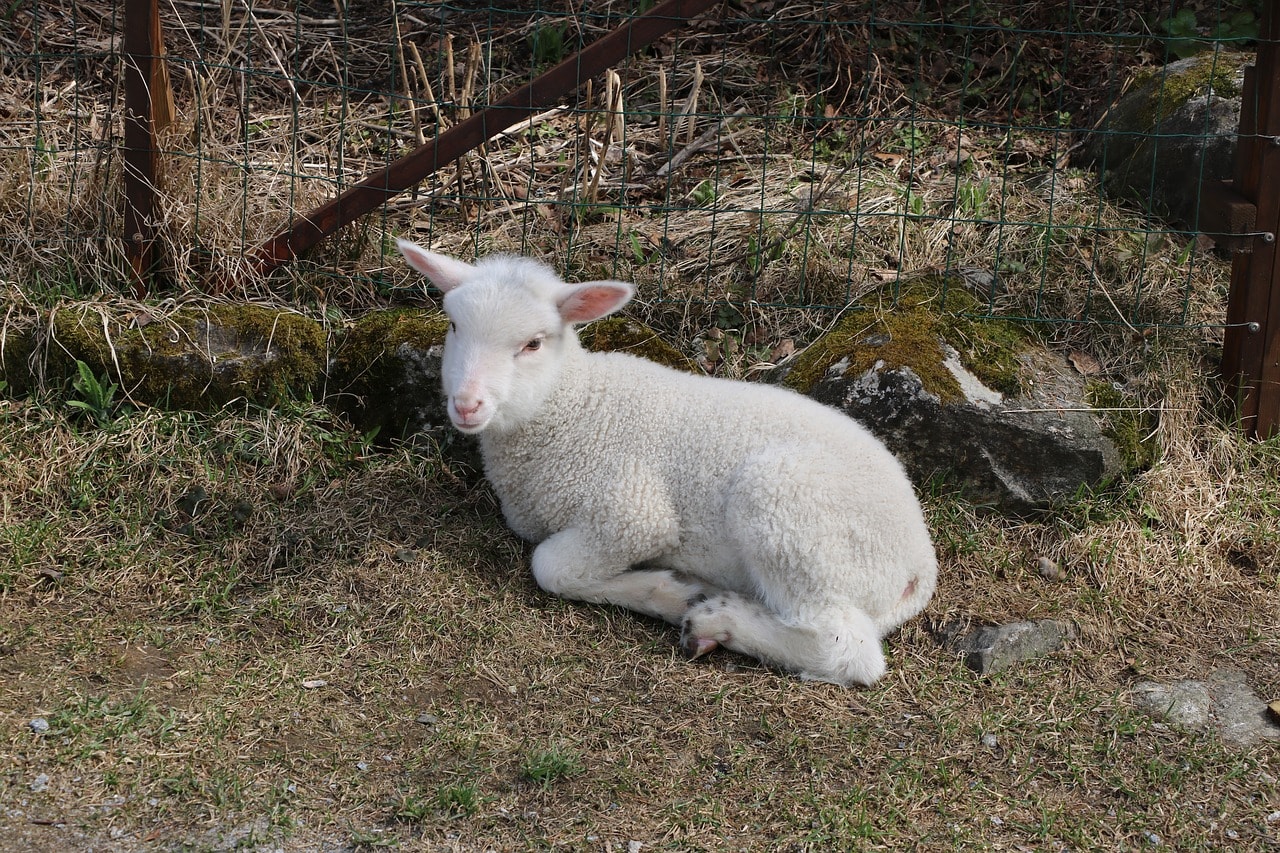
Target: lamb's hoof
{"x": 696, "y": 647}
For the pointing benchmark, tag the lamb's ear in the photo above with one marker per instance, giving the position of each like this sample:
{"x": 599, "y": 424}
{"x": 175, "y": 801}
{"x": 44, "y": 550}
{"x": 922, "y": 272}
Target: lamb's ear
{"x": 591, "y": 300}
{"x": 445, "y": 272}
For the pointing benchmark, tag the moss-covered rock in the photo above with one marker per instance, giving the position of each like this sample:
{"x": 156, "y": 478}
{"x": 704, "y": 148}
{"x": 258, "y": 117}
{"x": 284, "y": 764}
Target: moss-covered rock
{"x": 929, "y": 331}
{"x": 194, "y": 358}
{"x": 1175, "y": 126}
{"x": 385, "y": 374}
{"x": 978, "y": 405}
{"x": 385, "y": 371}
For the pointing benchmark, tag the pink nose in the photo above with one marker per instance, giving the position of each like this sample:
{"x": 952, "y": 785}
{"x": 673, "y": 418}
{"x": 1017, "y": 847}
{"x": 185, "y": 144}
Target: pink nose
{"x": 466, "y": 408}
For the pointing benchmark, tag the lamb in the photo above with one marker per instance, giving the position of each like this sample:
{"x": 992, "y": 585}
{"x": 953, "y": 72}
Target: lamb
{"x": 752, "y": 517}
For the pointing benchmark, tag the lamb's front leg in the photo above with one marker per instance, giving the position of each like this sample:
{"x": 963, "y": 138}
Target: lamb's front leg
{"x": 574, "y": 564}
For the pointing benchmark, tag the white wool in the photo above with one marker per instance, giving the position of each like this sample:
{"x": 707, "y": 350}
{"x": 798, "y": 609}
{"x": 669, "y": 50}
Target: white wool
{"x": 753, "y": 517}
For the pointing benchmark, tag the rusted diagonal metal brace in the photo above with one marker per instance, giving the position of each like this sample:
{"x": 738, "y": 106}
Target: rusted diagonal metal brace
{"x": 311, "y": 228}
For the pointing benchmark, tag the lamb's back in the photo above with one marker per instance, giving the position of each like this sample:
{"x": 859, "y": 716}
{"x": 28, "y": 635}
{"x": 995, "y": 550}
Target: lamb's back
{"x": 622, "y": 428}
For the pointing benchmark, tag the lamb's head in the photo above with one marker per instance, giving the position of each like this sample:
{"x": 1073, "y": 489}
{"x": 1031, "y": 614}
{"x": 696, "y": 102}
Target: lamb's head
{"x": 511, "y": 325}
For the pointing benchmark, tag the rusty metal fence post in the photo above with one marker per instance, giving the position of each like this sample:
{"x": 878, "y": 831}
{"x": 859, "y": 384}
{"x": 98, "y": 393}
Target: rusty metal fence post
{"x": 1251, "y": 345}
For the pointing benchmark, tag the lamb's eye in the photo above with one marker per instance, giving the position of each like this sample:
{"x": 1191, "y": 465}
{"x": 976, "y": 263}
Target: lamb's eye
{"x": 533, "y": 345}
{"x": 453, "y": 327}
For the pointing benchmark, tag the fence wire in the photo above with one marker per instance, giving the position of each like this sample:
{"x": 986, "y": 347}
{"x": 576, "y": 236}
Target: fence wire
{"x": 775, "y": 156}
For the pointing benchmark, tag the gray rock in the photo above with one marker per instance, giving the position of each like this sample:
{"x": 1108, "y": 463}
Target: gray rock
{"x": 995, "y": 648}
{"x": 1185, "y": 704}
{"x": 39, "y": 725}
{"x": 1224, "y": 700}
{"x": 1175, "y": 126}
{"x": 1241, "y": 716}
{"x": 1016, "y": 454}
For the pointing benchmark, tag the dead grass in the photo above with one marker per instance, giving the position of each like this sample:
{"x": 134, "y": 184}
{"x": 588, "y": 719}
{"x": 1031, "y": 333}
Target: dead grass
{"x": 252, "y": 629}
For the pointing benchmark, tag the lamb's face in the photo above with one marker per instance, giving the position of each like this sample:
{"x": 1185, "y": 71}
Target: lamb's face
{"x": 501, "y": 355}
{"x": 511, "y": 320}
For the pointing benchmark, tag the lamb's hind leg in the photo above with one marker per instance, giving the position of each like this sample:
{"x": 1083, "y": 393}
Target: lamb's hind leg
{"x": 840, "y": 647}
{"x": 571, "y": 564}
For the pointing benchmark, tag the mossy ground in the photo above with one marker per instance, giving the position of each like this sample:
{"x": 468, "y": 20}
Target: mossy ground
{"x": 1130, "y": 426}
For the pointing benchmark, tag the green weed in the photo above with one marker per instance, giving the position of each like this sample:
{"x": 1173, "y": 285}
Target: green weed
{"x": 544, "y": 766}
{"x": 461, "y": 798}
{"x": 97, "y": 396}
{"x": 547, "y": 44}
{"x": 704, "y": 194}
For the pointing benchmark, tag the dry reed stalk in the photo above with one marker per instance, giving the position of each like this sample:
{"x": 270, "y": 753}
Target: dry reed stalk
{"x": 450, "y": 77}
{"x": 702, "y": 143}
{"x": 425, "y": 81}
{"x": 611, "y": 99}
{"x": 408, "y": 99}
{"x": 663, "y": 107}
{"x": 275, "y": 56}
{"x": 226, "y": 21}
{"x": 469, "y": 79}
{"x": 687, "y": 122}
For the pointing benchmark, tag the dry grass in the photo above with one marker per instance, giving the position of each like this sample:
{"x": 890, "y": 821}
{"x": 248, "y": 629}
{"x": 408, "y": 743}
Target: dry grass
{"x": 177, "y": 650}
{"x": 252, "y": 629}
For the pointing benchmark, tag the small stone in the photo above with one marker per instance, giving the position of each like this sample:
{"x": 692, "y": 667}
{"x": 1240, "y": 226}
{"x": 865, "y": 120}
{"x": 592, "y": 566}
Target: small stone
{"x": 995, "y": 648}
{"x": 1153, "y": 839}
{"x": 1274, "y": 817}
{"x": 428, "y": 719}
{"x": 40, "y": 783}
{"x": 313, "y": 683}
{"x": 281, "y": 491}
{"x": 1240, "y": 714}
{"x": 1049, "y": 570}
{"x": 989, "y": 741}
{"x": 634, "y": 847}
{"x": 39, "y": 725}
{"x": 406, "y": 555}
{"x": 1232, "y": 834}
{"x": 362, "y": 766}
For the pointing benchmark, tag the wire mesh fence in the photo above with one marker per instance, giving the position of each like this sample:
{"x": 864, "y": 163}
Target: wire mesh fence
{"x": 771, "y": 156}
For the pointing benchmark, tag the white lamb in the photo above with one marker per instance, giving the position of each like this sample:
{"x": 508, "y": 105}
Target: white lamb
{"x": 753, "y": 517}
